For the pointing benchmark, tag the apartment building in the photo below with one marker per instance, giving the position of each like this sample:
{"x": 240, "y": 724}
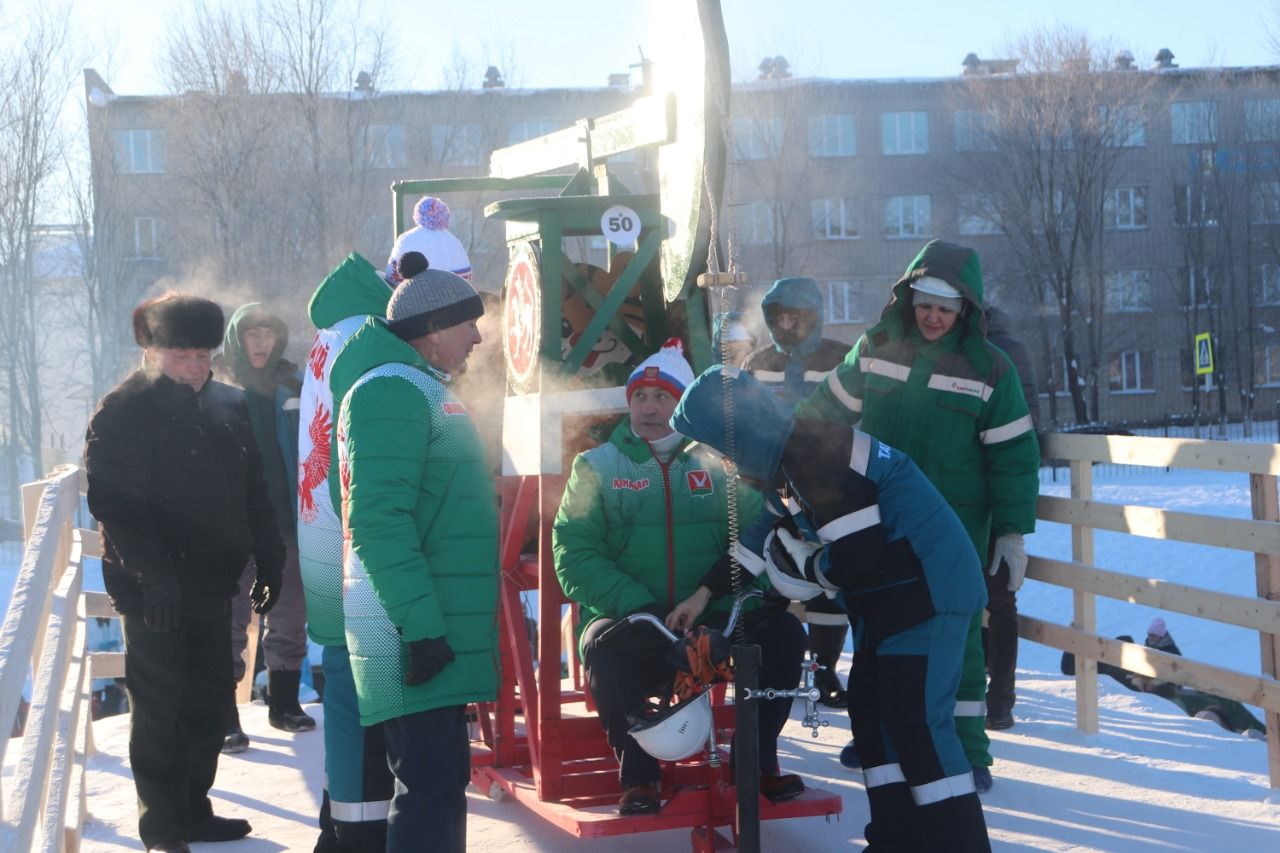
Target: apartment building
{"x": 841, "y": 180}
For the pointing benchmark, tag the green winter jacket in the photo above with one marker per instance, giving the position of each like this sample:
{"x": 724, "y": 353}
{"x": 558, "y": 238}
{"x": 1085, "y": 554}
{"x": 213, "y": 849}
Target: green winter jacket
{"x": 955, "y": 405}
{"x": 420, "y": 513}
{"x": 632, "y": 532}
{"x": 349, "y": 295}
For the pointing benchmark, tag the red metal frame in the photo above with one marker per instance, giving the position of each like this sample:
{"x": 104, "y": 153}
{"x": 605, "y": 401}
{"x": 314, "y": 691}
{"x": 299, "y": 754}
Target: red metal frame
{"x": 557, "y": 762}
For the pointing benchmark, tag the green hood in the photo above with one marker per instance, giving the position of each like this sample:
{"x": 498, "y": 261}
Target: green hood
{"x": 354, "y": 287}
{"x": 236, "y": 361}
{"x": 958, "y": 266}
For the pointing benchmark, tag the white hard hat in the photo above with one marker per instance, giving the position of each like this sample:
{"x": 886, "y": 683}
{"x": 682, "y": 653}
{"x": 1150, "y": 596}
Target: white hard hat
{"x": 788, "y": 586}
{"x": 678, "y": 732}
{"x": 935, "y": 287}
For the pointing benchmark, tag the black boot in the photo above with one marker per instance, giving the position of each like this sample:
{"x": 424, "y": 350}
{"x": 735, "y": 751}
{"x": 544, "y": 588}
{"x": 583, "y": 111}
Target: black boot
{"x": 826, "y": 642}
{"x": 283, "y": 710}
{"x": 236, "y": 740}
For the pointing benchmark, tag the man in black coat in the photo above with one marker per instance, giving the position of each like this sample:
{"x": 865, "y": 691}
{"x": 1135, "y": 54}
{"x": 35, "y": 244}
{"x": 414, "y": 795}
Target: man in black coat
{"x": 175, "y": 479}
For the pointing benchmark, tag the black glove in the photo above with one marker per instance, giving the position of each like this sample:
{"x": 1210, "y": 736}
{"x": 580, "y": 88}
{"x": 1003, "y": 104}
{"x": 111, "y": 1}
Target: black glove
{"x": 265, "y": 591}
{"x": 161, "y": 602}
{"x": 426, "y": 659}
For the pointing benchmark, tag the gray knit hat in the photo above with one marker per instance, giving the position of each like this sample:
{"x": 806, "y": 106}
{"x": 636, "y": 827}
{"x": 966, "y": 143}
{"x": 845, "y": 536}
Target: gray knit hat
{"x": 430, "y": 301}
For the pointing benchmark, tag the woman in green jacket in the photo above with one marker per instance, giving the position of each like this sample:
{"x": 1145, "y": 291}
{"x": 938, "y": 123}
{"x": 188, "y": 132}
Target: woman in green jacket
{"x": 926, "y": 380}
{"x": 643, "y": 527}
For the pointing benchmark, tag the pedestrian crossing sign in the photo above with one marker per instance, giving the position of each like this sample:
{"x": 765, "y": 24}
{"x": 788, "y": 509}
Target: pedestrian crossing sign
{"x": 1204, "y": 354}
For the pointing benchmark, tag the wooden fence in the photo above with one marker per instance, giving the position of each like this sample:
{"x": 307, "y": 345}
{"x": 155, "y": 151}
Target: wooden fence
{"x": 1259, "y": 535}
{"x": 44, "y": 634}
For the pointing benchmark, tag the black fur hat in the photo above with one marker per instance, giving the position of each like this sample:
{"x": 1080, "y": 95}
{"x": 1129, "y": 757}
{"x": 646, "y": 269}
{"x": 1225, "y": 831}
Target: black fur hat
{"x": 178, "y": 321}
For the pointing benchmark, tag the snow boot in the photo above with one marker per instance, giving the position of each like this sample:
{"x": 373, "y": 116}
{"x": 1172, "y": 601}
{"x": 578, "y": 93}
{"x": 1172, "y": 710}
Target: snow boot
{"x": 214, "y": 828}
{"x": 283, "y": 710}
{"x": 236, "y": 740}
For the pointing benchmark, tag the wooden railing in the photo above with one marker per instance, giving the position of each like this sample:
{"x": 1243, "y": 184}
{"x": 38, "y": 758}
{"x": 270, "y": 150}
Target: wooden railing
{"x": 44, "y": 634}
{"x": 1261, "y": 535}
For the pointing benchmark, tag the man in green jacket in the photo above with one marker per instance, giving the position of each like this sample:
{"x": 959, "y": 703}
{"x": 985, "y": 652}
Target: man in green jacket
{"x": 420, "y": 520}
{"x": 358, "y": 783}
{"x": 643, "y": 527}
{"x": 926, "y": 380}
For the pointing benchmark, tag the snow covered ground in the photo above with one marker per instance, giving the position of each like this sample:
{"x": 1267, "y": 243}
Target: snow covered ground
{"x": 1152, "y": 779}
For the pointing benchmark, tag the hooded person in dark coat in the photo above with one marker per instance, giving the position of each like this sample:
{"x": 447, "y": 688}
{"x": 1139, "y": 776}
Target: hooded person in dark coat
{"x": 792, "y": 364}
{"x": 175, "y": 479}
{"x": 253, "y": 359}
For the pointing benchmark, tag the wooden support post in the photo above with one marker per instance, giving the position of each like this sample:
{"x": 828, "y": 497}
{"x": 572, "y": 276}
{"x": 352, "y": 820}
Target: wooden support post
{"x": 244, "y": 690}
{"x": 1083, "y": 605}
{"x": 1266, "y": 507}
{"x": 549, "y": 775}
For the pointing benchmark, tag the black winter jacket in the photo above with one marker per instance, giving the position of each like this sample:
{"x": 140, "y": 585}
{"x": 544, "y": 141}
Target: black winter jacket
{"x": 176, "y": 480}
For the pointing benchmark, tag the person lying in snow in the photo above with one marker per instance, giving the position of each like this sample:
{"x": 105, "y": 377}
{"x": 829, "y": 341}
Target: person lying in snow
{"x": 1228, "y": 713}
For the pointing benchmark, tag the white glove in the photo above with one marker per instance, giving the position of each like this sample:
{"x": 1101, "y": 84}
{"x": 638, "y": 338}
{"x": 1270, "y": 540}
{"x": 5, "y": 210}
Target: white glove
{"x": 791, "y": 564}
{"x": 1010, "y": 549}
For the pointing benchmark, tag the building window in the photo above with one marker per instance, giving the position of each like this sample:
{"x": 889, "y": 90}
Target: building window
{"x": 975, "y": 131}
{"x": 457, "y": 144}
{"x": 1264, "y": 203}
{"x": 908, "y": 216}
{"x": 138, "y": 152}
{"x": 832, "y": 135}
{"x": 1128, "y": 290}
{"x": 1194, "y": 122}
{"x": 757, "y": 139}
{"x": 833, "y": 219}
{"x": 384, "y": 146}
{"x": 1198, "y": 290}
{"x": 844, "y": 304}
{"x": 756, "y": 223}
{"x": 1124, "y": 126}
{"x": 1130, "y": 372}
{"x": 1262, "y": 120}
{"x": 1125, "y": 208}
{"x": 1267, "y": 369}
{"x": 530, "y": 129}
{"x": 904, "y": 133}
{"x": 1193, "y": 206}
{"x": 144, "y": 237}
{"x": 977, "y": 214}
{"x": 1268, "y": 278}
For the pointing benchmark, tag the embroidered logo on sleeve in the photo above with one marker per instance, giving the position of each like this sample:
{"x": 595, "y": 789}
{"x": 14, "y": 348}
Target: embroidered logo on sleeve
{"x": 633, "y": 485}
{"x": 699, "y": 483}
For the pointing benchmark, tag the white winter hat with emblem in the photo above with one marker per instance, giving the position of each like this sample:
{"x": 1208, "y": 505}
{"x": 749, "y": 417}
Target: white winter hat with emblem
{"x": 667, "y": 369}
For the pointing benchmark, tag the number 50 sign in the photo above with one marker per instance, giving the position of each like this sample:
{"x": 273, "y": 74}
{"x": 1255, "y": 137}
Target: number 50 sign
{"x": 620, "y": 226}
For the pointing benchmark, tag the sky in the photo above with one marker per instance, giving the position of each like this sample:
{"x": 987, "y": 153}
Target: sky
{"x": 576, "y": 43}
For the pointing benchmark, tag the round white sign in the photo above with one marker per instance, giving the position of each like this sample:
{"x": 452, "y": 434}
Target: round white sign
{"x": 620, "y": 226}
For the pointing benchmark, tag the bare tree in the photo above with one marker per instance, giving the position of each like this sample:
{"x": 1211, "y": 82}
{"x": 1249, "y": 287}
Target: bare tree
{"x": 1047, "y": 142}
{"x": 768, "y": 182}
{"x": 35, "y": 77}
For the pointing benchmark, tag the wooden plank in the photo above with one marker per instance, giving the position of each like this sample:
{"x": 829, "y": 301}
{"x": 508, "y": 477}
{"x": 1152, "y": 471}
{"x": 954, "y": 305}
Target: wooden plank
{"x": 35, "y": 764}
{"x": 90, "y": 542}
{"x": 1084, "y": 613}
{"x": 1248, "y": 458}
{"x": 73, "y": 703}
{"x": 244, "y": 689}
{"x": 107, "y": 664}
{"x": 1241, "y": 686}
{"x": 1241, "y": 610}
{"x": 1154, "y": 523}
{"x": 97, "y": 605}
{"x": 1266, "y": 508}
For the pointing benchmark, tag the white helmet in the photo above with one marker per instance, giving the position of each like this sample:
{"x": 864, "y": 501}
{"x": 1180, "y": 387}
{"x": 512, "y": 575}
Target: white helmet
{"x": 935, "y": 287}
{"x": 678, "y": 732}
{"x": 788, "y": 586}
